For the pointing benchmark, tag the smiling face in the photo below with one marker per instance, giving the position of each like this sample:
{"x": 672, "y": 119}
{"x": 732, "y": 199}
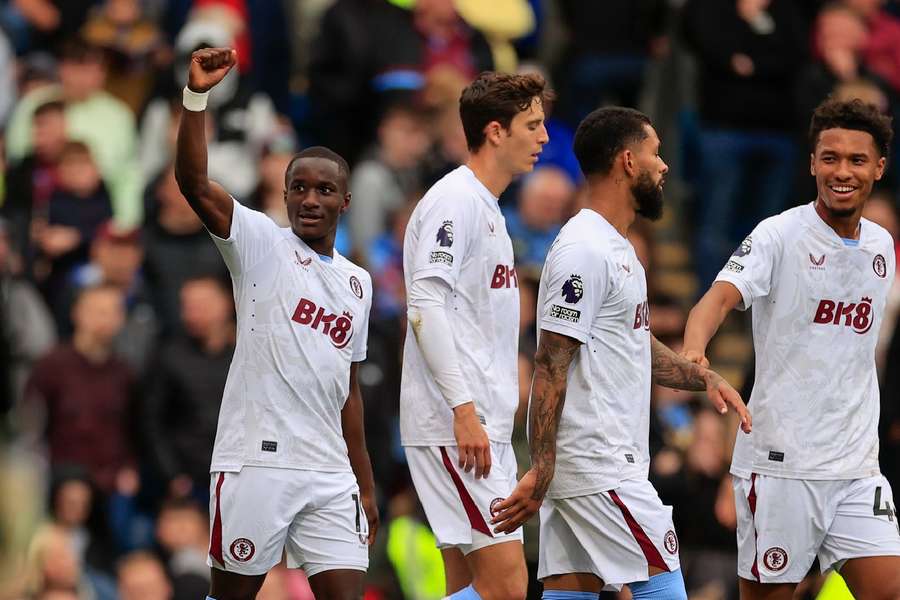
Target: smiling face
{"x": 519, "y": 146}
{"x": 315, "y": 197}
{"x": 846, "y": 164}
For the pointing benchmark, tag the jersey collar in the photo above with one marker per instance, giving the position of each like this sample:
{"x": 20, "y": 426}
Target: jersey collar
{"x": 485, "y": 194}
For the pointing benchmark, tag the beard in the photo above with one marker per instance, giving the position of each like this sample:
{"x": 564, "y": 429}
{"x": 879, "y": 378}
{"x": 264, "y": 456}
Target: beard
{"x": 649, "y": 197}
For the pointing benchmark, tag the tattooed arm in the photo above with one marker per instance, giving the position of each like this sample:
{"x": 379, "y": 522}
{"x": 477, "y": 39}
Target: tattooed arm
{"x": 674, "y": 371}
{"x": 554, "y": 356}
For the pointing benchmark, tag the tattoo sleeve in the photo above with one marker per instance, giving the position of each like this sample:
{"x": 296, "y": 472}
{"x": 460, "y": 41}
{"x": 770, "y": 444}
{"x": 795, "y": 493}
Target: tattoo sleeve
{"x": 674, "y": 371}
{"x": 554, "y": 355}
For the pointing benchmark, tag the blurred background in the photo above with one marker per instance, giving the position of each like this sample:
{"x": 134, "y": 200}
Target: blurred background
{"x": 116, "y": 314}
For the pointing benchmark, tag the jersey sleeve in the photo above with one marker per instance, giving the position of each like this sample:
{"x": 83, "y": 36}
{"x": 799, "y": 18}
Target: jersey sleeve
{"x": 252, "y": 236}
{"x": 361, "y": 329}
{"x": 577, "y": 284}
{"x": 750, "y": 267}
{"x": 445, "y": 235}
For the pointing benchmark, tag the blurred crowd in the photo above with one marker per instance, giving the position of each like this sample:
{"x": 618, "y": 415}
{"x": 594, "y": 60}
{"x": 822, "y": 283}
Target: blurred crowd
{"x": 116, "y": 314}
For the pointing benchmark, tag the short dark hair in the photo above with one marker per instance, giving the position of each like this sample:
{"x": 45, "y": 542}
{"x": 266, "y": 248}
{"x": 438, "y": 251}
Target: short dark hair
{"x": 497, "y": 97}
{"x": 852, "y": 114}
{"x": 606, "y": 132}
{"x": 320, "y": 152}
{"x": 49, "y": 107}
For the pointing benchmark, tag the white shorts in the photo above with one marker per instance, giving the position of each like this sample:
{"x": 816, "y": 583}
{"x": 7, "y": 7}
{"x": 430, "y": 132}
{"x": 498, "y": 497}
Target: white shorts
{"x": 616, "y": 535}
{"x": 314, "y": 517}
{"x": 457, "y": 505}
{"x": 783, "y": 524}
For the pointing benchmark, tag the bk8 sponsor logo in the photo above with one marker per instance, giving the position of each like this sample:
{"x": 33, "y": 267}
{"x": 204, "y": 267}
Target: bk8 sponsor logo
{"x": 856, "y": 315}
{"x": 339, "y": 328}
{"x": 642, "y": 315}
{"x": 504, "y": 277}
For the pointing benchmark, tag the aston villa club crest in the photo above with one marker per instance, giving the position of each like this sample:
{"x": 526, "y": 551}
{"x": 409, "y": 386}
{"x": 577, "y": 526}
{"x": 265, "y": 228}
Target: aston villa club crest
{"x": 445, "y": 234}
{"x": 242, "y": 549}
{"x": 879, "y": 266}
{"x": 356, "y": 287}
{"x": 573, "y": 289}
{"x": 775, "y": 559}
{"x": 670, "y": 541}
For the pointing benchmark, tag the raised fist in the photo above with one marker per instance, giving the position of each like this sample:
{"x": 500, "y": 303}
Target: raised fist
{"x": 209, "y": 66}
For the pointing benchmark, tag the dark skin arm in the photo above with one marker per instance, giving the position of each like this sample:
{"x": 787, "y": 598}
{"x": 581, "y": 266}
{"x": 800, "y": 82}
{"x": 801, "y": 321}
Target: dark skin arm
{"x": 208, "y": 199}
{"x": 674, "y": 371}
{"x": 355, "y": 437}
{"x": 554, "y": 356}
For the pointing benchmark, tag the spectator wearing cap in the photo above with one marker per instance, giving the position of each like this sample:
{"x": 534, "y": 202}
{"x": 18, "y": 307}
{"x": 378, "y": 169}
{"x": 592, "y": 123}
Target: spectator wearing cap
{"x": 116, "y": 254}
{"x": 93, "y": 116}
{"x": 78, "y": 396}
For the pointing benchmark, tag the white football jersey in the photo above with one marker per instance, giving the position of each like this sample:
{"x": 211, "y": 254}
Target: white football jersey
{"x": 817, "y": 305}
{"x": 457, "y": 233}
{"x": 301, "y": 322}
{"x": 593, "y": 289}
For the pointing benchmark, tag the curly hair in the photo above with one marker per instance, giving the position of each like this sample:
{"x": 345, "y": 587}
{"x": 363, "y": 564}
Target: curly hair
{"x": 606, "y": 132}
{"x": 497, "y": 97}
{"x": 852, "y": 114}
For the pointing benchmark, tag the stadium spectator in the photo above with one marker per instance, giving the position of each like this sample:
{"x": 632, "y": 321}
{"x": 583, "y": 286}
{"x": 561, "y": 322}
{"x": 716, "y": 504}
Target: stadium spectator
{"x": 116, "y": 254}
{"x": 545, "y": 201}
{"x": 185, "y": 386}
{"x": 102, "y": 121}
{"x": 176, "y": 248}
{"x": 31, "y": 181}
{"x": 748, "y": 53}
{"x": 182, "y": 533}
{"x": 609, "y": 68}
{"x": 353, "y": 74}
{"x": 26, "y": 327}
{"x": 79, "y": 395}
{"x": 134, "y": 45}
{"x": 142, "y": 577}
{"x": 76, "y": 209}
{"x": 383, "y": 180}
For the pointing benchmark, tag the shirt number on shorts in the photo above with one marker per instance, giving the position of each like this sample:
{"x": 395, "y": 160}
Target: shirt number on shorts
{"x": 887, "y": 510}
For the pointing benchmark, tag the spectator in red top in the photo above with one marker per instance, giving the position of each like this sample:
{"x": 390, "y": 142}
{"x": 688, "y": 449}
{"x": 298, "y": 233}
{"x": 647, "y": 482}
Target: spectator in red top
{"x": 78, "y": 395}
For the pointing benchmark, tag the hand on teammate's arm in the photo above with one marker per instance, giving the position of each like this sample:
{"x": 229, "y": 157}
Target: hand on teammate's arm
{"x": 554, "y": 355}
{"x": 674, "y": 371}
{"x": 705, "y": 318}
{"x": 208, "y": 199}
{"x": 355, "y": 436}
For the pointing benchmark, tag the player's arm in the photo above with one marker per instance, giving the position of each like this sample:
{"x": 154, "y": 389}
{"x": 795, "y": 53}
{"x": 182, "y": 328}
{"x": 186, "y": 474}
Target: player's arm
{"x": 706, "y": 317}
{"x": 208, "y": 199}
{"x": 428, "y": 318}
{"x": 355, "y": 437}
{"x": 674, "y": 371}
{"x": 548, "y": 395}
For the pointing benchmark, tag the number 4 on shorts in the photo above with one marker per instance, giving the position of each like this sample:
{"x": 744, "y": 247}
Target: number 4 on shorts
{"x": 887, "y": 510}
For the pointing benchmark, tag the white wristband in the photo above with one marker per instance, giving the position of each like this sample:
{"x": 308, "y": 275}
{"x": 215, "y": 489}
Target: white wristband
{"x": 194, "y": 101}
